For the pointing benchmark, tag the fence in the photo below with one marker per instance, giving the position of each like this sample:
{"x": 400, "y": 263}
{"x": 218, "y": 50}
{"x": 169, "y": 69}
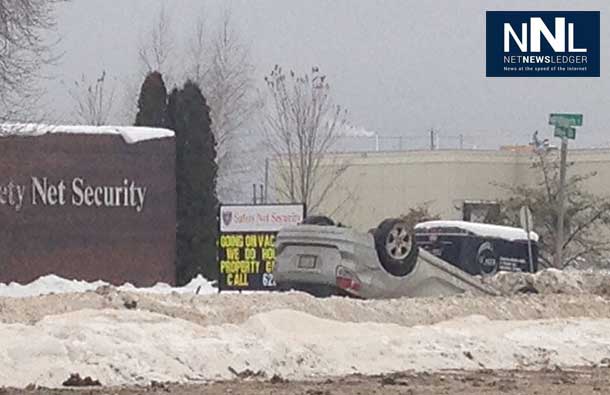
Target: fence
{"x": 430, "y": 140}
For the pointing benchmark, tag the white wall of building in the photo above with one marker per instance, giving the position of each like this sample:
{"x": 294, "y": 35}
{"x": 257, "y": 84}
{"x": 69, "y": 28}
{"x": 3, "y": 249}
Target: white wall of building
{"x": 378, "y": 185}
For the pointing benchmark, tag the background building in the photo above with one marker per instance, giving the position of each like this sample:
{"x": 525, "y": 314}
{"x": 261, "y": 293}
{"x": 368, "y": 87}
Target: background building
{"x": 456, "y": 184}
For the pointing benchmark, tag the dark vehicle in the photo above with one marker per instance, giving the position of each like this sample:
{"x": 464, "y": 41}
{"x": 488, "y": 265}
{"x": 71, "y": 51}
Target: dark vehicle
{"x": 478, "y": 249}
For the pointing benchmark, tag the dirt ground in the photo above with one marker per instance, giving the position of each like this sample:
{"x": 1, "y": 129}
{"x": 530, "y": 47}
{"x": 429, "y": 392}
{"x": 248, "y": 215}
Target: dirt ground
{"x": 556, "y": 381}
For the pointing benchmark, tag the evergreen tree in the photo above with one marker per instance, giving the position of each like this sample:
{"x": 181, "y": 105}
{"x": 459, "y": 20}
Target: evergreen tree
{"x": 152, "y": 103}
{"x": 197, "y": 204}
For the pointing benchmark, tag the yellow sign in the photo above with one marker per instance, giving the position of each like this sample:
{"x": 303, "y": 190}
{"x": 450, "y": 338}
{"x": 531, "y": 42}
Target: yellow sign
{"x": 247, "y": 260}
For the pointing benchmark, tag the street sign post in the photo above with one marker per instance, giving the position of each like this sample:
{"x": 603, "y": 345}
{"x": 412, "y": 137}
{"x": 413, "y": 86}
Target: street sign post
{"x": 562, "y": 119}
{"x": 527, "y": 223}
{"x": 567, "y": 132}
{"x": 564, "y": 128}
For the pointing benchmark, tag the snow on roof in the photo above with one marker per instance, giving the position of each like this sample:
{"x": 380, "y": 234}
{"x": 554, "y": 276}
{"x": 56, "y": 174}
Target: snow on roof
{"x": 484, "y": 230}
{"x": 131, "y": 134}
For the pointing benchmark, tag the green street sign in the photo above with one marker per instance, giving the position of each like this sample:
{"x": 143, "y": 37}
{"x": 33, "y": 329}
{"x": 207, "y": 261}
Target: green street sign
{"x": 565, "y": 120}
{"x": 567, "y": 132}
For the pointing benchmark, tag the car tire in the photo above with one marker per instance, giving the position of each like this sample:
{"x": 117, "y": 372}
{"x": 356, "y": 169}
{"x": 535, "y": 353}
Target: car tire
{"x": 318, "y": 220}
{"x": 396, "y": 247}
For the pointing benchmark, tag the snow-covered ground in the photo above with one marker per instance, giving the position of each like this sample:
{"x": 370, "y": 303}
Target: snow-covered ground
{"x": 124, "y": 335}
{"x": 545, "y": 281}
{"x": 123, "y": 347}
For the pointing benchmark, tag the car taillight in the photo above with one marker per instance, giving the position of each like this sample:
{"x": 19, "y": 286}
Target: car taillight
{"x": 347, "y": 280}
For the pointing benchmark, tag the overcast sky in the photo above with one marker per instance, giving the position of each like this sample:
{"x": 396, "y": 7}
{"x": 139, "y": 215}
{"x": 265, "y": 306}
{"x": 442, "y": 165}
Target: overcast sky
{"x": 400, "y": 67}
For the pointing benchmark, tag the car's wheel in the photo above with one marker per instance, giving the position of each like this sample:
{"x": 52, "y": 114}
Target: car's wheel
{"x": 396, "y": 248}
{"x": 318, "y": 220}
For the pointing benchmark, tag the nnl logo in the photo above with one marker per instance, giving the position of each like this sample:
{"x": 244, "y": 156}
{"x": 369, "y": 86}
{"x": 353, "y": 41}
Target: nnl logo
{"x": 542, "y": 44}
{"x": 538, "y": 28}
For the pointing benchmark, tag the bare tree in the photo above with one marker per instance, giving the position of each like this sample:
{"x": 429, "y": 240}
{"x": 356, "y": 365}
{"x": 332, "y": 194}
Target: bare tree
{"x": 587, "y": 216}
{"x": 24, "y": 24}
{"x": 419, "y": 213}
{"x": 301, "y": 127}
{"x": 128, "y": 98}
{"x": 199, "y": 59}
{"x": 92, "y": 101}
{"x": 220, "y": 63}
{"x": 156, "y": 51}
{"x": 218, "y": 60}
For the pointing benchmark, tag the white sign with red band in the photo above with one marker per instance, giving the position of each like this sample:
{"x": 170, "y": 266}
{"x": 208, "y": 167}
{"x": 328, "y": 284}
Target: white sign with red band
{"x": 260, "y": 218}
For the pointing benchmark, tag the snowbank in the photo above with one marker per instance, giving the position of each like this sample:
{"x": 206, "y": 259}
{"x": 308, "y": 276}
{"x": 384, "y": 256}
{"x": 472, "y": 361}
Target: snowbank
{"x": 548, "y": 281}
{"x": 135, "y": 347}
{"x": 131, "y": 134}
{"x": 199, "y": 285}
{"x": 53, "y": 284}
{"x": 552, "y": 281}
{"x": 127, "y": 335}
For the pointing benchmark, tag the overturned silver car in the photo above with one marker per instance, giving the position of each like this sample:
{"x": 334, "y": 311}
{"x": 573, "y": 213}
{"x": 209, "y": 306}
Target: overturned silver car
{"x": 436, "y": 258}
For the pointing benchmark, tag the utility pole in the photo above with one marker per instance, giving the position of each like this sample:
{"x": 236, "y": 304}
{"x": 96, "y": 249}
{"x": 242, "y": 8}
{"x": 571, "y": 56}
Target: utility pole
{"x": 558, "y": 258}
{"x": 253, "y": 193}
{"x": 564, "y": 129}
{"x": 461, "y": 141}
{"x": 431, "y": 139}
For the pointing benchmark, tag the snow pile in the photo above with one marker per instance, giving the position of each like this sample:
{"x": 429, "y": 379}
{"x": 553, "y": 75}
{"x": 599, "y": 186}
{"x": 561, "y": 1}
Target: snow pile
{"x": 136, "y": 347}
{"x": 552, "y": 281}
{"x": 548, "y": 281}
{"x": 199, "y": 285}
{"x": 46, "y": 285}
{"x": 53, "y": 284}
{"x": 131, "y": 134}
